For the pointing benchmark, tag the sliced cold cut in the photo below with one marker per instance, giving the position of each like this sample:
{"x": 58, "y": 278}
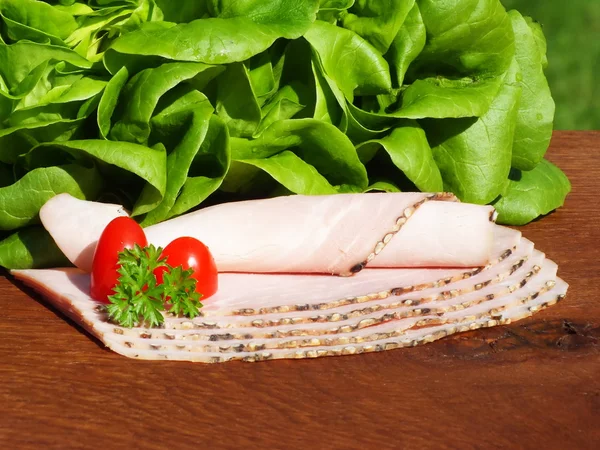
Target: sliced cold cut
{"x": 277, "y": 297}
{"x": 516, "y": 305}
{"x": 533, "y": 283}
{"x": 337, "y": 234}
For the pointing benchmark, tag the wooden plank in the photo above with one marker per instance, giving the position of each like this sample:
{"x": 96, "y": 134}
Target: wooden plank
{"x": 532, "y": 384}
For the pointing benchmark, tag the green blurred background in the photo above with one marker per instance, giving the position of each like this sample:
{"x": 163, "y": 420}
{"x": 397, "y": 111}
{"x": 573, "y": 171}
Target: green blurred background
{"x": 572, "y": 29}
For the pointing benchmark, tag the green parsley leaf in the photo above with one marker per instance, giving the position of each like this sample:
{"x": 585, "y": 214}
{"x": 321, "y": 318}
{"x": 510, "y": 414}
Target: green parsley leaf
{"x": 140, "y": 300}
{"x": 180, "y": 291}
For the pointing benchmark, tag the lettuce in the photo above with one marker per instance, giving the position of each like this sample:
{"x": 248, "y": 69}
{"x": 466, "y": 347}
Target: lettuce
{"x": 166, "y": 106}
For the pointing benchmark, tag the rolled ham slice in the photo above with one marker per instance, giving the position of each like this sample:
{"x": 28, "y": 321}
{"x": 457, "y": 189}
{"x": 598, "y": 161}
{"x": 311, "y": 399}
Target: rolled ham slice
{"x": 338, "y": 234}
{"x": 76, "y": 226}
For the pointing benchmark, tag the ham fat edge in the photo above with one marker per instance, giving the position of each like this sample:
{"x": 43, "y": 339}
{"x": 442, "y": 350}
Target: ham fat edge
{"x": 405, "y": 292}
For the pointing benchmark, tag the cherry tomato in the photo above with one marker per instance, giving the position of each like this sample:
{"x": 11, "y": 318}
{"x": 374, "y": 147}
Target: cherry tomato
{"x": 119, "y": 234}
{"x": 192, "y": 254}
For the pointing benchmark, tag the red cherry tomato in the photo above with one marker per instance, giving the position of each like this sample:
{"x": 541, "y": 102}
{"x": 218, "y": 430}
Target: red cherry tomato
{"x": 192, "y": 254}
{"x": 119, "y": 234}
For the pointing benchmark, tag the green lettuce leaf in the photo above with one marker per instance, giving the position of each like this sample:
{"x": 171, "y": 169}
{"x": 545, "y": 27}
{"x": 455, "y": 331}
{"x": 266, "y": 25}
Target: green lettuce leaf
{"x": 377, "y": 21}
{"x": 240, "y": 30}
{"x": 466, "y": 37}
{"x": 36, "y": 16}
{"x": 31, "y": 248}
{"x": 142, "y": 93}
{"x": 533, "y": 193}
{"x": 409, "y": 150}
{"x": 354, "y": 64}
{"x": 407, "y": 44}
{"x": 149, "y": 164}
{"x": 22, "y": 200}
{"x": 208, "y": 169}
{"x": 187, "y": 136}
{"x": 533, "y": 128}
{"x": 319, "y": 144}
{"x": 474, "y": 155}
{"x": 168, "y": 106}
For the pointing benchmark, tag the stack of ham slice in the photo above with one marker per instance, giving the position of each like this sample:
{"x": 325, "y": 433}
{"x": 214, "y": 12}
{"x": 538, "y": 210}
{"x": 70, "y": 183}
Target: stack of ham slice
{"x": 304, "y": 277}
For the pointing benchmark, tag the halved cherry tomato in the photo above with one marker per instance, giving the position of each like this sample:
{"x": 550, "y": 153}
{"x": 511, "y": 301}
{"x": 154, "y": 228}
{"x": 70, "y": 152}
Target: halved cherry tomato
{"x": 192, "y": 254}
{"x": 119, "y": 234}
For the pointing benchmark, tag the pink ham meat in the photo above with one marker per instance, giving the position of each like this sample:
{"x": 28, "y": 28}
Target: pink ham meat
{"x": 434, "y": 267}
{"x": 76, "y": 226}
{"x": 339, "y": 234}
{"x": 257, "y": 317}
{"x": 66, "y": 291}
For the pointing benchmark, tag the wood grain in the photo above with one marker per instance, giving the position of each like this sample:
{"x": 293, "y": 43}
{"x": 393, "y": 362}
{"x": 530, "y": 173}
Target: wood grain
{"x": 533, "y": 384}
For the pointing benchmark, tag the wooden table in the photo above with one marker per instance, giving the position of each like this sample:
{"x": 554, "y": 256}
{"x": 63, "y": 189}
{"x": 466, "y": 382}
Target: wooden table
{"x": 533, "y": 384}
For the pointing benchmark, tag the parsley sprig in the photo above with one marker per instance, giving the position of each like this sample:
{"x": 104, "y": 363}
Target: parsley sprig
{"x": 140, "y": 300}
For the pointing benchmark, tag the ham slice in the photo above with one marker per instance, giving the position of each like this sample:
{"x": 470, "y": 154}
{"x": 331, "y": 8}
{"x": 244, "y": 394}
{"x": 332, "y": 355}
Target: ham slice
{"x": 76, "y": 226}
{"x": 496, "y": 276}
{"x": 323, "y": 293}
{"x": 337, "y": 234}
{"x": 433, "y": 307}
{"x": 327, "y": 304}
{"x": 517, "y": 297}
